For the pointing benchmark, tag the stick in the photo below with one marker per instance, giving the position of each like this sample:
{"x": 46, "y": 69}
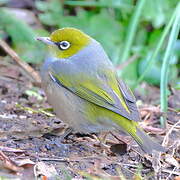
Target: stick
{"x": 126, "y": 63}
{"x": 166, "y": 138}
{"x": 31, "y": 72}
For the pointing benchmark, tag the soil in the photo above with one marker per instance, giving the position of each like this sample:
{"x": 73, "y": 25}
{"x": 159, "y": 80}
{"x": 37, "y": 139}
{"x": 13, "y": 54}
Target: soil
{"x": 30, "y": 129}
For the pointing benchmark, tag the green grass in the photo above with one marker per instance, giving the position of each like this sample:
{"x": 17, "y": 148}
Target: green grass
{"x": 132, "y": 29}
{"x": 158, "y": 47}
{"x": 165, "y": 66}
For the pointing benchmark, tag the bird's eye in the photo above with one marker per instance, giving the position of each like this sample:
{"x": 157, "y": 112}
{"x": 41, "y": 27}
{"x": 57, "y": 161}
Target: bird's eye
{"x": 63, "y": 45}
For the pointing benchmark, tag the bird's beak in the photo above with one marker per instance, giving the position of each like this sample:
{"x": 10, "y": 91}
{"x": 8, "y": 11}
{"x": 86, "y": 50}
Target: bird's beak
{"x": 45, "y": 40}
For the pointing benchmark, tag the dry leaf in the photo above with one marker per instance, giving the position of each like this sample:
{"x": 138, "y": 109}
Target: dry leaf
{"x": 8, "y": 164}
{"x": 177, "y": 178}
{"x": 44, "y": 171}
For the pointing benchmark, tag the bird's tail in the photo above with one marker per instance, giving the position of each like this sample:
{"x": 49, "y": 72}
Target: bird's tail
{"x": 145, "y": 142}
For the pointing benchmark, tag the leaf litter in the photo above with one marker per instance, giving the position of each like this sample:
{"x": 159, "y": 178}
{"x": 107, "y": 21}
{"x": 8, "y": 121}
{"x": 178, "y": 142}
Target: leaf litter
{"x": 32, "y": 146}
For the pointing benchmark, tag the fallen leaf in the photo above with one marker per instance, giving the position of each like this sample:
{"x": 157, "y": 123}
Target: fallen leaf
{"x": 177, "y": 178}
{"x": 8, "y": 164}
{"x": 44, "y": 171}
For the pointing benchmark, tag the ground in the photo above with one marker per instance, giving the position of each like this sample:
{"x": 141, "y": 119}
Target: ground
{"x": 29, "y": 132}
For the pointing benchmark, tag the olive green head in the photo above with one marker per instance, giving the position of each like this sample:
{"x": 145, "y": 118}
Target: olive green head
{"x": 66, "y": 42}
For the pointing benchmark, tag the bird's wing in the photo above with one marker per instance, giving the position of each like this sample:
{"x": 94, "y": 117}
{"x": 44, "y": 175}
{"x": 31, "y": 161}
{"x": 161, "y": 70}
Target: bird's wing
{"x": 114, "y": 96}
{"x": 130, "y": 100}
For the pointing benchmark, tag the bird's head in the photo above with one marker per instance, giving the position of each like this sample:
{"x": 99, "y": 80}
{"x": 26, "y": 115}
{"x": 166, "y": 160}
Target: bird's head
{"x": 66, "y": 42}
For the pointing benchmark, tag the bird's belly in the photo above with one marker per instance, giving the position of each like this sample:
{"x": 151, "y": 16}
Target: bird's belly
{"x": 75, "y": 111}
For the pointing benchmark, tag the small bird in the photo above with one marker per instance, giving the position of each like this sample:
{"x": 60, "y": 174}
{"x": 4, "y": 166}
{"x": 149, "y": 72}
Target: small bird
{"x": 82, "y": 86}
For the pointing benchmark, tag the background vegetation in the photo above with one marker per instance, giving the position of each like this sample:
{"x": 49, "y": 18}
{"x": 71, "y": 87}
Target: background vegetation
{"x": 135, "y": 34}
{"x": 141, "y": 38}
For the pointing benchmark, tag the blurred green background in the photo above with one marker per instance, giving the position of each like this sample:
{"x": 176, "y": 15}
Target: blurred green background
{"x": 129, "y": 31}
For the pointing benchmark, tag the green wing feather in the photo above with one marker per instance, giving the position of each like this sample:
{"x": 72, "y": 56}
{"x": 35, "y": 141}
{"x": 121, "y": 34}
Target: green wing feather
{"x": 105, "y": 92}
{"x": 113, "y": 95}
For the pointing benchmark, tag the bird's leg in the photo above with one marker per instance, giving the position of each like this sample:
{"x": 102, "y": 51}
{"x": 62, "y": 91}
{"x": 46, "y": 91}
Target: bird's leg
{"x": 67, "y": 132}
{"x": 102, "y": 140}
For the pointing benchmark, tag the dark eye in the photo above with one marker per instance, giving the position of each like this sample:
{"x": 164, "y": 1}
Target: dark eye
{"x": 63, "y": 45}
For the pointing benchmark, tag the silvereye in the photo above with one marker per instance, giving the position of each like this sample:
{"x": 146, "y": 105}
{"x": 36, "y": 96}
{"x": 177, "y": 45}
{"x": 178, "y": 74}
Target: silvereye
{"x": 82, "y": 86}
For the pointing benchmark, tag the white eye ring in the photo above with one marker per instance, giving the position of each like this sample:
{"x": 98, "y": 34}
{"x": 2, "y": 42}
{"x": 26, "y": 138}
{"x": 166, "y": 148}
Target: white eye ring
{"x": 63, "y": 45}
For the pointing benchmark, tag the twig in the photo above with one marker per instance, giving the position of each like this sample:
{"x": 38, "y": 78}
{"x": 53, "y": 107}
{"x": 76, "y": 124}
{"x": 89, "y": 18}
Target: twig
{"x": 31, "y": 72}
{"x": 155, "y": 109}
{"x": 153, "y": 130}
{"x": 55, "y": 159}
{"x": 166, "y": 138}
{"x": 8, "y": 149}
{"x": 173, "y": 110}
{"x": 165, "y": 142}
{"x": 171, "y": 172}
{"x": 126, "y": 63}
{"x": 157, "y": 157}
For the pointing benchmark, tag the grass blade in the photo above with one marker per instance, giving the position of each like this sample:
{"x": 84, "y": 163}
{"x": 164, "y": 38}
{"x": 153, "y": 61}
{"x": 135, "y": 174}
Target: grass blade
{"x": 165, "y": 66}
{"x": 98, "y": 4}
{"x": 158, "y": 48}
{"x": 132, "y": 29}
